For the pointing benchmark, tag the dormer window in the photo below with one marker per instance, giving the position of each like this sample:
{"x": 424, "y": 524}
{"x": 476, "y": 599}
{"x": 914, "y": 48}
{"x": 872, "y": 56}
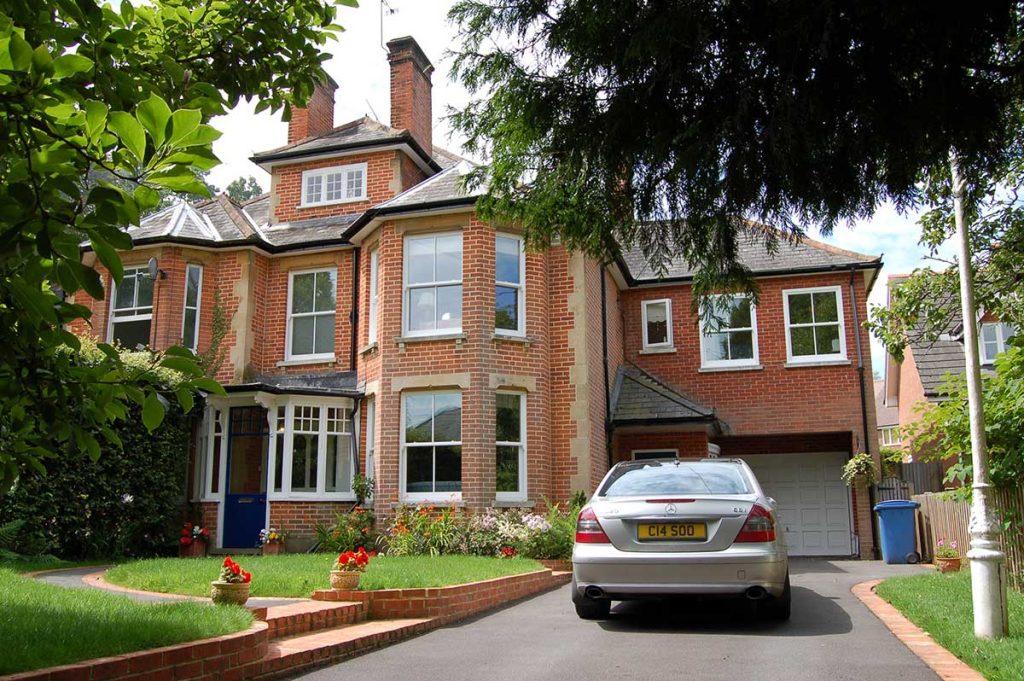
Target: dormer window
{"x": 339, "y": 184}
{"x": 994, "y": 338}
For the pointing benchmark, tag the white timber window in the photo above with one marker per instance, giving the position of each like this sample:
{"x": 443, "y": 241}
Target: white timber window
{"x": 131, "y": 309}
{"x": 729, "y": 335}
{"x": 994, "y": 337}
{"x": 371, "y": 436}
{"x": 339, "y": 184}
{"x": 433, "y": 285}
{"x": 371, "y": 326}
{"x": 311, "y": 313}
{"x": 889, "y": 436}
{"x": 509, "y": 285}
{"x": 510, "y": 446}
{"x": 432, "y": 446}
{"x": 656, "y": 318}
{"x": 313, "y": 451}
{"x": 815, "y": 331}
{"x": 190, "y": 313}
{"x": 210, "y": 453}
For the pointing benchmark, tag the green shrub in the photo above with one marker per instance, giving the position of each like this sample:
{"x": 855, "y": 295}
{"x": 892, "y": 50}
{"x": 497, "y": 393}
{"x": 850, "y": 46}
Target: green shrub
{"x": 350, "y": 531}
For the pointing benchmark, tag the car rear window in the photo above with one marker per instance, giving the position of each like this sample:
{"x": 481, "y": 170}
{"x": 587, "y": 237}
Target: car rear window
{"x": 675, "y": 478}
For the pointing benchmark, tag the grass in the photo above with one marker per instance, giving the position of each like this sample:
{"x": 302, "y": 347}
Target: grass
{"x": 941, "y": 605}
{"x": 43, "y": 625}
{"x": 34, "y": 563}
{"x": 297, "y": 575}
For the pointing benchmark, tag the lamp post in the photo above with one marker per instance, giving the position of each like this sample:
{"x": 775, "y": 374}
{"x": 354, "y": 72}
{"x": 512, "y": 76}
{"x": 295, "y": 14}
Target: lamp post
{"x": 988, "y": 582}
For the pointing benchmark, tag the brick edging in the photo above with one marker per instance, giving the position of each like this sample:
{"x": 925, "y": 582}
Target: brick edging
{"x": 944, "y": 663}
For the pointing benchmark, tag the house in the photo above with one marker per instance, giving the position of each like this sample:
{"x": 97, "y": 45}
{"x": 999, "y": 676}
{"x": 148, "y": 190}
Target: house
{"x": 371, "y": 322}
{"x": 887, "y": 418}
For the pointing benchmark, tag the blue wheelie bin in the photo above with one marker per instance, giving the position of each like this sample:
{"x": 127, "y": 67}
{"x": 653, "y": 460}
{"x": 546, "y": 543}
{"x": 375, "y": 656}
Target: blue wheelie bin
{"x": 896, "y": 527}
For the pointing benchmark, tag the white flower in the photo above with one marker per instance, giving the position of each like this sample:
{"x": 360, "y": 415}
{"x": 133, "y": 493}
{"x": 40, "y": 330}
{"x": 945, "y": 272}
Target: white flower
{"x": 127, "y": 498}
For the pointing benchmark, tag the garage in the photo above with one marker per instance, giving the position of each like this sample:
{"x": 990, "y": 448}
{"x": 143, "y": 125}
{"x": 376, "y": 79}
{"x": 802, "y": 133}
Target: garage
{"x": 813, "y": 502}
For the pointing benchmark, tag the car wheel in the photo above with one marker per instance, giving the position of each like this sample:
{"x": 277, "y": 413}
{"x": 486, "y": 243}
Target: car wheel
{"x": 778, "y": 608}
{"x": 590, "y": 609}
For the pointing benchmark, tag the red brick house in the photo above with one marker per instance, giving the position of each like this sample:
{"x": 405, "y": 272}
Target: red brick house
{"x": 376, "y": 325}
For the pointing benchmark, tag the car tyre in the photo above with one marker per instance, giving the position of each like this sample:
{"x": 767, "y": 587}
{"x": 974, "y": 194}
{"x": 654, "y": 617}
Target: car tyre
{"x": 779, "y": 608}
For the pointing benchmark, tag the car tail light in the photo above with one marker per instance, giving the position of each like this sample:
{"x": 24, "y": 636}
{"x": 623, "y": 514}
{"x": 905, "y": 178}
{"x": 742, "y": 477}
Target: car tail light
{"x": 589, "y": 530}
{"x": 759, "y": 527}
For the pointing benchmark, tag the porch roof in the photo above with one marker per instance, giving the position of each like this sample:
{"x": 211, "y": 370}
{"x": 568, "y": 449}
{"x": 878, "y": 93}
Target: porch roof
{"x": 327, "y": 384}
{"x": 638, "y": 397}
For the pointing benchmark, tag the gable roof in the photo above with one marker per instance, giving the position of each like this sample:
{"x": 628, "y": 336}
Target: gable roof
{"x": 804, "y": 255}
{"x": 885, "y": 415}
{"x": 937, "y": 358}
{"x": 640, "y": 398}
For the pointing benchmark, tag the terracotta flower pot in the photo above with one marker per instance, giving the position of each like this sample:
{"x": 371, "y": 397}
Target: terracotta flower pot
{"x": 344, "y": 580}
{"x": 197, "y": 549}
{"x": 273, "y": 548}
{"x": 229, "y": 593}
{"x": 948, "y": 564}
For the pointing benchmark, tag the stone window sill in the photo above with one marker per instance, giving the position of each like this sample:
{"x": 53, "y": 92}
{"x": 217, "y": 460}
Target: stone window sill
{"x": 510, "y": 503}
{"x": 822, "y": 363}
{"x": 303, "y": 361}
{"x": 416, "y": 503}
{"x": 657, "y": 351}
{"x": 510, "y": 338}
{"x": 459, "y": 338}
{"x": 739, "y": 367}
{"x": 369, "y": 347}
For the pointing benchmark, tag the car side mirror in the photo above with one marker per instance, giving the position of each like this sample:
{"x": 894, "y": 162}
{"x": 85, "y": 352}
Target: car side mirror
{"x": 772, "y": 502}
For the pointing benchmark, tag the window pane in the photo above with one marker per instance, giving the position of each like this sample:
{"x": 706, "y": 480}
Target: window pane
{"x": 449, "y": 307}
{"x": 827, "y": 339}
{"x": 506, "y": 308}
{"x": 144, "y": 295}
{"x": 739, "y": 317}
{"x": 188, "y": 337}
{"x": 988, "y": 333}
{"x": 716, "y": 347}
{"x": 313, "y": 184}
{"x": 657, "y": 323}
{"x": 419, "y": 466}
{"x": 420, "y": 261}
{"x": 304, "y": 453}
{"x": 421, "y": 309}
{"x": 448, "y": 417}
{"x": 131, "y": 334}
{"x": 989, "y": 351}
{"x": 802, "y": 340}
{"x": 448, "y": 469}
{"x": 125, "y": 297}
{"x": 323, "y": 343}
{"x": 1008, "y": 331}
{"x": 507, "y": 418}
{"x": 333, "y": 187}
{"x": 825, "y": 307}
{"x": 449, "y": 258}
{"x": 339, "y": 463}
{"x": 192, "y": 285}
{"x": 354, "y": 184}
{"x": 302, "y": 292}
{"x": 506, "y": 475}
{"x": 741, "y": 345}
{"x": 302, "y": 335}
{"x": 326, "y": 288}
{"x": 800, "y": 308}
{"x": 215, "y": 472}
{"x": 419, "y": 411}
{"x": 506, "y": 263}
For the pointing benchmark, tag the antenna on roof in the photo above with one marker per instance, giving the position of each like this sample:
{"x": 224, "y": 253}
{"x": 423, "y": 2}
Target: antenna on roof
{"x": 391, "y": 10}
{"x": 370, "y": 107}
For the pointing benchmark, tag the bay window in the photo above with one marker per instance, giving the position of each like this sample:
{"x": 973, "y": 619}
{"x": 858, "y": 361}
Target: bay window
{"x": 313, "y": 452}
{"x": 131, "y": 309}
{"x": 432, "y": 300}
{"x": 509, "y": 278}
{"x": 510, "y": 446}
{"x": 371, "y": 327}
{"x": 311, "y": 312}
{"x": 994, "y": 337}
{"x": 190, "y": 313}
{"x": 432, "y": 445}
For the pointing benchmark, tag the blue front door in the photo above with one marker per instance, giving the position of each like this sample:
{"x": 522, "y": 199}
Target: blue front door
{"x": 245, "y": 503}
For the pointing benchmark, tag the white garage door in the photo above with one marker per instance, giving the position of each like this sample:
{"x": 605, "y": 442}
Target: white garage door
{"x": 813, "y": 502}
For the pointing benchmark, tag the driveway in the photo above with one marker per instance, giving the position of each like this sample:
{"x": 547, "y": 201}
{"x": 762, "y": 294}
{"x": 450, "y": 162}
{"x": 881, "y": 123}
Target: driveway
{"x": 831, "y": 637}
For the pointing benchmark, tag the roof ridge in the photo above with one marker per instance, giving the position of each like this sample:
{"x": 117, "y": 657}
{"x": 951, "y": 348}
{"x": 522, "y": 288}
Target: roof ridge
{"x": 794, "y": 238}
{"x": 674, "y": 394}
{"x": 419, "y": 185}
{"x": 233, "y": 212}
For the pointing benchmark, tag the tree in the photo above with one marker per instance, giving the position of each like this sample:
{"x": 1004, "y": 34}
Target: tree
{"x": 664, "y": 124}
{"x": 242, "y": 189}
{"x": 127, "y": 90}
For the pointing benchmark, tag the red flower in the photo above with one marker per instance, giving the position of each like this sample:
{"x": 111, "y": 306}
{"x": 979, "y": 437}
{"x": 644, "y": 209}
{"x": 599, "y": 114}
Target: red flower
{"x": 236, "y": 568}
{"x": 184, "y": 533}
{"x": 228, "y": 562}
{"x": 246, "y": 577}
{"x": 206, "y": 532}
{"x": 188, "y": 526}
{"x": 186, "y": 541}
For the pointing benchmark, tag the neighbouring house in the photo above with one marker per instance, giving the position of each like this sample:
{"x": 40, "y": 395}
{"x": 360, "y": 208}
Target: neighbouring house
{"x": 887, "y": 418}
{"x": 374, "y": 324}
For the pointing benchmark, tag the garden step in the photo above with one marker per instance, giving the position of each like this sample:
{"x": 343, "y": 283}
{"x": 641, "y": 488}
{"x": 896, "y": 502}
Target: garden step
{"x": 288, "y": 655}
{"x": 307, "y": 616}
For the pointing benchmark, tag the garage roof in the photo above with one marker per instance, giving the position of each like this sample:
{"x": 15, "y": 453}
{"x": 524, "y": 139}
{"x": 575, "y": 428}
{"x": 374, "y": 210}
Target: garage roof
{"x": 639, "y": 397}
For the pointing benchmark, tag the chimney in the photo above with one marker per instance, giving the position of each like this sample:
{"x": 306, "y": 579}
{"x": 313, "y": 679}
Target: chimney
{"x": 411, "y": 107}
{"x": 317, "y": 117}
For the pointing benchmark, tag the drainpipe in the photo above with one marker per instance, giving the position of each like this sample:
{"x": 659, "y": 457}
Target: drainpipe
{"x": 860, "y": 380}
{"x": 353, "y": 315}
{"x": 604, "y": 364}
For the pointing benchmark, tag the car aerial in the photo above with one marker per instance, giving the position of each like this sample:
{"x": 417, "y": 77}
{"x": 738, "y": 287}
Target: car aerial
{"x": 667, "y": 527}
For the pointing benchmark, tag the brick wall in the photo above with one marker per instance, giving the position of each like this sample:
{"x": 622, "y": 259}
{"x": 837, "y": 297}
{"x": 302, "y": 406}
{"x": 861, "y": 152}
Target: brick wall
{"x": 316, "y": 118}
{"x": 688, "y": 443}
{"x": 411, "y": 105}
{"x": 300, "y": 518}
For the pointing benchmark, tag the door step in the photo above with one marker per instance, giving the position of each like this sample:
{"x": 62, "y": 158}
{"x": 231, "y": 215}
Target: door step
{"x": 311, "y": 616}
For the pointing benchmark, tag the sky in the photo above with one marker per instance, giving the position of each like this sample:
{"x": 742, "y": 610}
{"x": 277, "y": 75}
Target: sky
{"x": 359, "y": 65}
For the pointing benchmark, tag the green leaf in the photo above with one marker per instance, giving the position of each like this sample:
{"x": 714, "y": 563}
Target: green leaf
{"x": 87, "y": 278}
{"x": 154, "y": 114}
{"x": 34, "y": 299}
{"x": 179, "y": 179}
{"x": 209, "y": 385}
{"x": 152, "y": 411}
{"x": 70, "y": 64}
{"x": 181, "y": 364}
{"x": 185, "y": 398}
{"x": 21, "y": 52}
{"x": 184, "y": 122}
{"x": 109, "y": 257}
{"x": 130, "y": 132}
{"x": 95, "y": 118}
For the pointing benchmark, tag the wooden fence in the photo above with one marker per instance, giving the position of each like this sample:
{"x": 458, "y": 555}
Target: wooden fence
{"x": 949, "y": 519}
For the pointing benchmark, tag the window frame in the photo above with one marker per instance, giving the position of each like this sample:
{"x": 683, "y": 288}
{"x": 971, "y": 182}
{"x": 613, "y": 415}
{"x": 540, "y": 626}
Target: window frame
{"x": 834, "y": 358}
{"x": 521, "y": 493}
{"x": 1001, "y": 340}
{"x": 890, "y": 433}
{"x": 315, "y": 356}
{"x": 286, "y": 493}
{"x": 669, "y": 343}
{"x": 194, "y": 346}
{"x": 436, "y": 284}
{"x": 654, "y": 450}
{"x": 137, "y": 272}
{"x": 425, "y": 497}
{"x": 213, "y": 417}
{"x": 754, "y": 360}
{"x": 322, "y": 173}
{"x": 520, "y": 329}
{"x": 373, "y": 305}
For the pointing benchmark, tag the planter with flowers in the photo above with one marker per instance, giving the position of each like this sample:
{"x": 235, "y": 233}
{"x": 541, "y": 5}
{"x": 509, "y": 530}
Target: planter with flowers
{"x": 193, "y": 541}
{"x": 272, "y": 541}
{"x": 232, "y": 588}
{"x": 348, "y": 567}
{"x": 947, "y": 556}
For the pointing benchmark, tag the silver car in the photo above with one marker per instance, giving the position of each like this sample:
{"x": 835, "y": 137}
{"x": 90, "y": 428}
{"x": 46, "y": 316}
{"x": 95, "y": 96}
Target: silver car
{"x": 677, "y": 526}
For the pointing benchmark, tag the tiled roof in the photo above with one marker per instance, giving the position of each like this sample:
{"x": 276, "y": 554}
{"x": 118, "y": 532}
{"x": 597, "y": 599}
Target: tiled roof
{"x": 640, "y": 397}
{"x": 314, "y": 230}
{"x": 884, "y": 415}
{"x": 362, "y": 131}
{"x": 937, "y": 358}
{"x": 445, "y": 186}
{"x": 753, "y": 253}
{"x": 344, "y": 383}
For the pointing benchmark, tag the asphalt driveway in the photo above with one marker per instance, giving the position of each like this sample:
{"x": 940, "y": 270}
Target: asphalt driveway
{"x": 831, "y": 637}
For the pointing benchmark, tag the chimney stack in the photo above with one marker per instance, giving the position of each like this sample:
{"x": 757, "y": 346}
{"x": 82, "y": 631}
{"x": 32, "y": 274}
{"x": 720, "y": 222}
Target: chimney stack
{"x": 411, "y": 107}
{"x": 317, "y": 117}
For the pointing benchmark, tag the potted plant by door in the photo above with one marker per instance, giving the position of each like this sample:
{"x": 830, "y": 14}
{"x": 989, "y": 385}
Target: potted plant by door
{"x": 272, "y": 541}
{"x": 232, "y": 588}
{"x": 947, "y": 556}
{"x": 193, "y": 541}
{"x": 348, "y": 567}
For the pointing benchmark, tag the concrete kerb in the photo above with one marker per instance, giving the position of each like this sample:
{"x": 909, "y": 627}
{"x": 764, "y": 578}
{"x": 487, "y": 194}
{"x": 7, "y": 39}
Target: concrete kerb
{"x": 944, "y": 663}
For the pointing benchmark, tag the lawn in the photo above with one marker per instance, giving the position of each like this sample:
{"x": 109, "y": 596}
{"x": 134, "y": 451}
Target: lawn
{"x": 941, "y": 605}
{"x": 297, "y": 575}
{"x": 42, "y": 625}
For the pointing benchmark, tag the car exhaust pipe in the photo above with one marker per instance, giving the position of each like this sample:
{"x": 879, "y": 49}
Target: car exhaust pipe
{"x": 756, "y": 593}
{"x": 593, "y": 592}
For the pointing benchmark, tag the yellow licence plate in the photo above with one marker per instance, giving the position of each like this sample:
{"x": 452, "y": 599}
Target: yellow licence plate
{"x": 671, "y": 531}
